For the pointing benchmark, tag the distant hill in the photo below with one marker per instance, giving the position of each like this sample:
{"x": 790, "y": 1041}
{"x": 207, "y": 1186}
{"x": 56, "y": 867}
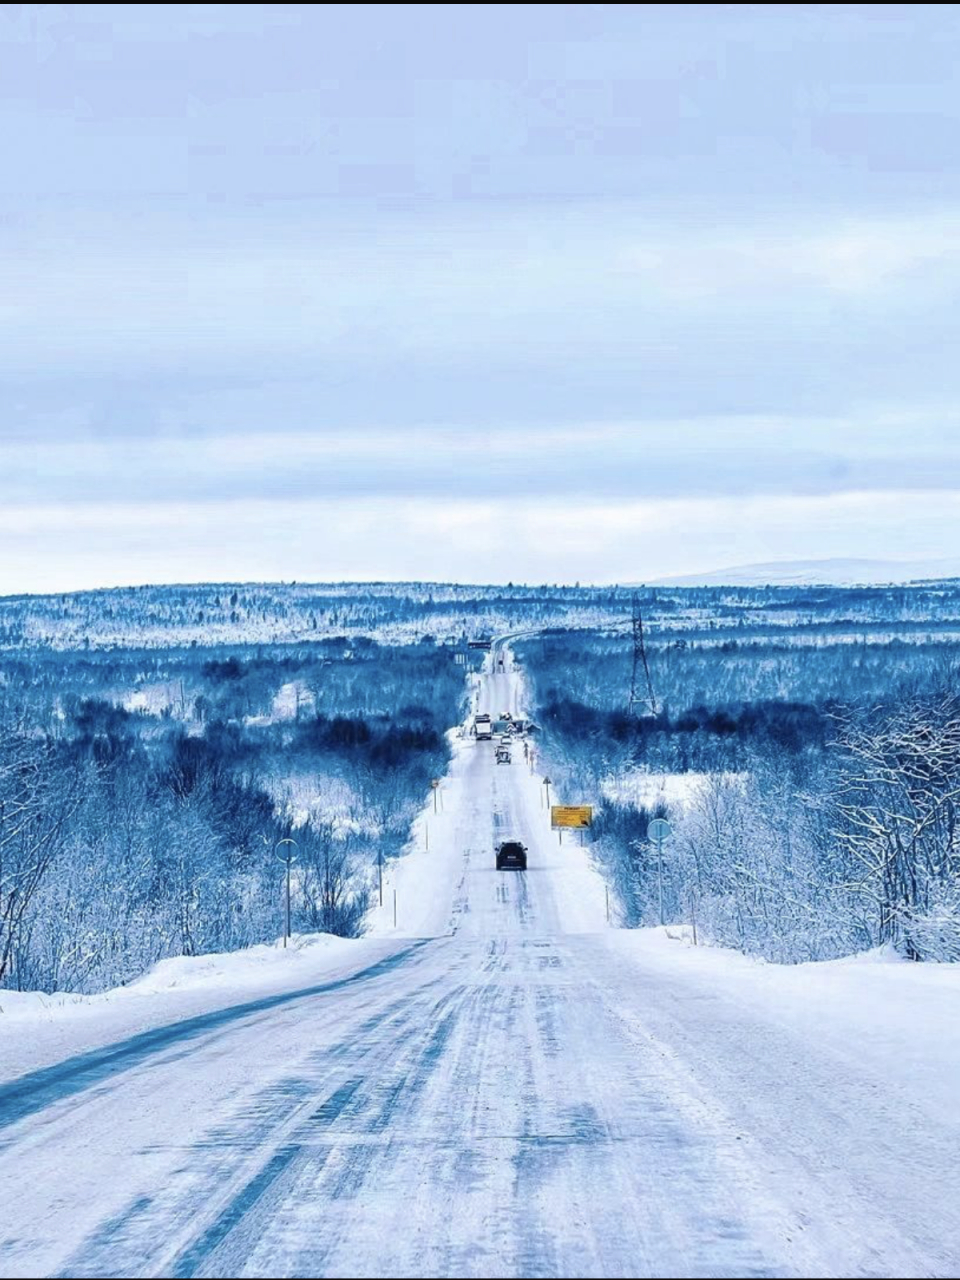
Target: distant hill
{"x": 837, "y": 572}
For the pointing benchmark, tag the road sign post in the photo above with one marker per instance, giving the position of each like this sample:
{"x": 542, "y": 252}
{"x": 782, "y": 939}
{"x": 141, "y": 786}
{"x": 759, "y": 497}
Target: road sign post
{"x": 659, "y": 830}
{"x": 288, "y": 858}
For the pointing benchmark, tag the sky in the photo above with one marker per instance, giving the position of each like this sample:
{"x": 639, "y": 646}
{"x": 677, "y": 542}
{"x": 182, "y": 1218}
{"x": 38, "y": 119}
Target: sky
{"x": 541, "y": 293}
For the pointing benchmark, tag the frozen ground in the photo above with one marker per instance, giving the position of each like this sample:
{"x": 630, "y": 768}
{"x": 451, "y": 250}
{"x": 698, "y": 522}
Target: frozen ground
{"x": 498, "y": 1085}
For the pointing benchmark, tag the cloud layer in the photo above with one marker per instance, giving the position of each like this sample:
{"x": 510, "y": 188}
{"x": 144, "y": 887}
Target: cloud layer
{"x": 657, "y": 288}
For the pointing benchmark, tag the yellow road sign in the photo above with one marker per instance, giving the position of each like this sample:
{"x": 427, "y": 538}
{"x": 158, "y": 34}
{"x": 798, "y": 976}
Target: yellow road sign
{"x": 571, "y": 815}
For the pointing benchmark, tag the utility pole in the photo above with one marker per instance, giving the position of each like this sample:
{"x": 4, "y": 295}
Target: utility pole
{"x": 639, "y": 660}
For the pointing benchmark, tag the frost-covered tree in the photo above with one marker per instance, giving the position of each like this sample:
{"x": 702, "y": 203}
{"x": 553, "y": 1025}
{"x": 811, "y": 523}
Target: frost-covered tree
{"x": 895, "y": 807}
{"x": 37, "y": 800}
{"x": 332, "y": 880}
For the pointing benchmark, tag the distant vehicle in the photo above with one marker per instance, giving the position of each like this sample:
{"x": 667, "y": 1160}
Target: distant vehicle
{"x": 483, "y": 728}
{"x": 506, "y": 741}
{"x": 503, "y": 755}
{"x": 511, "y": 855}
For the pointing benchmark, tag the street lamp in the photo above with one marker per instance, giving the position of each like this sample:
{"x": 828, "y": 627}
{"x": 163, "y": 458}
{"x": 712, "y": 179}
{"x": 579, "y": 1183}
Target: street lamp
{"x": 288, "y": 859}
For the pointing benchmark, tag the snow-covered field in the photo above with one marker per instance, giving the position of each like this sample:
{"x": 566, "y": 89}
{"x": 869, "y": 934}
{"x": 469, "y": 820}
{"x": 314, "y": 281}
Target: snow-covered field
{"x": 645, "y": 789}
{"x": 501, "y": 1084}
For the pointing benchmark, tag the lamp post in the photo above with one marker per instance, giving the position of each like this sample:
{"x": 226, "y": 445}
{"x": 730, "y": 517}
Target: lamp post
{"x": 288, "y": 859}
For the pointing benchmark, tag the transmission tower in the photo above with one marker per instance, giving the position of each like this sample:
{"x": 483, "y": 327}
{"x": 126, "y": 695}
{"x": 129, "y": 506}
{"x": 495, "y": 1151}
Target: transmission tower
{"x": 640, "y": 660}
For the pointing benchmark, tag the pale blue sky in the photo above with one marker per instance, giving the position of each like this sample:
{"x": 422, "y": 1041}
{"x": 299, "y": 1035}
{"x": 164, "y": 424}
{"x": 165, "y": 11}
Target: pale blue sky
{"x": 485, "y": 292}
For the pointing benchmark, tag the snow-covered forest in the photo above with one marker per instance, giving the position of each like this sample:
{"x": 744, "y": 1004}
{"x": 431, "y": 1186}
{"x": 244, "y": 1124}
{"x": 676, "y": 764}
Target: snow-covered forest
{"x": 811, "y": 780}
{"x": 270, "y": 613}
{"x": 289, "y": 612}
{"x": 143, "y": 793}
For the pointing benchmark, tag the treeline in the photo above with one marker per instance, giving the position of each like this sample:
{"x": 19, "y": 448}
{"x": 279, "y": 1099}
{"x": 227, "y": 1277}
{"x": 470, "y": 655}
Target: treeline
{"x": 162, "y": 616}
{"x": 378, "y": 741}
{"x": 698, "y": 737}
{"x": 128, "y": 835}
{"x": 159, "y": 617}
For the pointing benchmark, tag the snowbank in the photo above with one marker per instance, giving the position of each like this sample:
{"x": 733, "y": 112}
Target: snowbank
{"x": 37, "y": 1029}
{"x": 903, "y": 1018}
{"x": 252, "y": 970}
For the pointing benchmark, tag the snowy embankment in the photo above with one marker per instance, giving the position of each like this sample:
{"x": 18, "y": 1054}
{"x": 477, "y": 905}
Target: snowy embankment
{"x": 897, "y": 1019}
{"x": 421, "y": 884}
{"x": 37, "y": 1029}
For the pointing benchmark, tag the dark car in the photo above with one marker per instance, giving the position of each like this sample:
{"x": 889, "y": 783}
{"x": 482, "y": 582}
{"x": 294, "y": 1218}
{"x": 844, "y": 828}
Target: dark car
{"x": 511, "y": 855}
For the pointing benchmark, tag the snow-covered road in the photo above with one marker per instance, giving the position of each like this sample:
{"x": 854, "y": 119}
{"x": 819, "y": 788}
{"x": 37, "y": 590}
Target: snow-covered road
{"x": 501, "y": 1086}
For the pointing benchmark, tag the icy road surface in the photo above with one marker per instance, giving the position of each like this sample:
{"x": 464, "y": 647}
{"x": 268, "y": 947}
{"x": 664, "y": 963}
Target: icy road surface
{"x": 500, "y": 1085}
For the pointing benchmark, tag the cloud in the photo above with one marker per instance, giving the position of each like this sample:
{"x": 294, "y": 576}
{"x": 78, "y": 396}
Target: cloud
{"x": 645, "y": 458}
{"x": 773, "y": 264}
{"x": 132, "y": 297}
